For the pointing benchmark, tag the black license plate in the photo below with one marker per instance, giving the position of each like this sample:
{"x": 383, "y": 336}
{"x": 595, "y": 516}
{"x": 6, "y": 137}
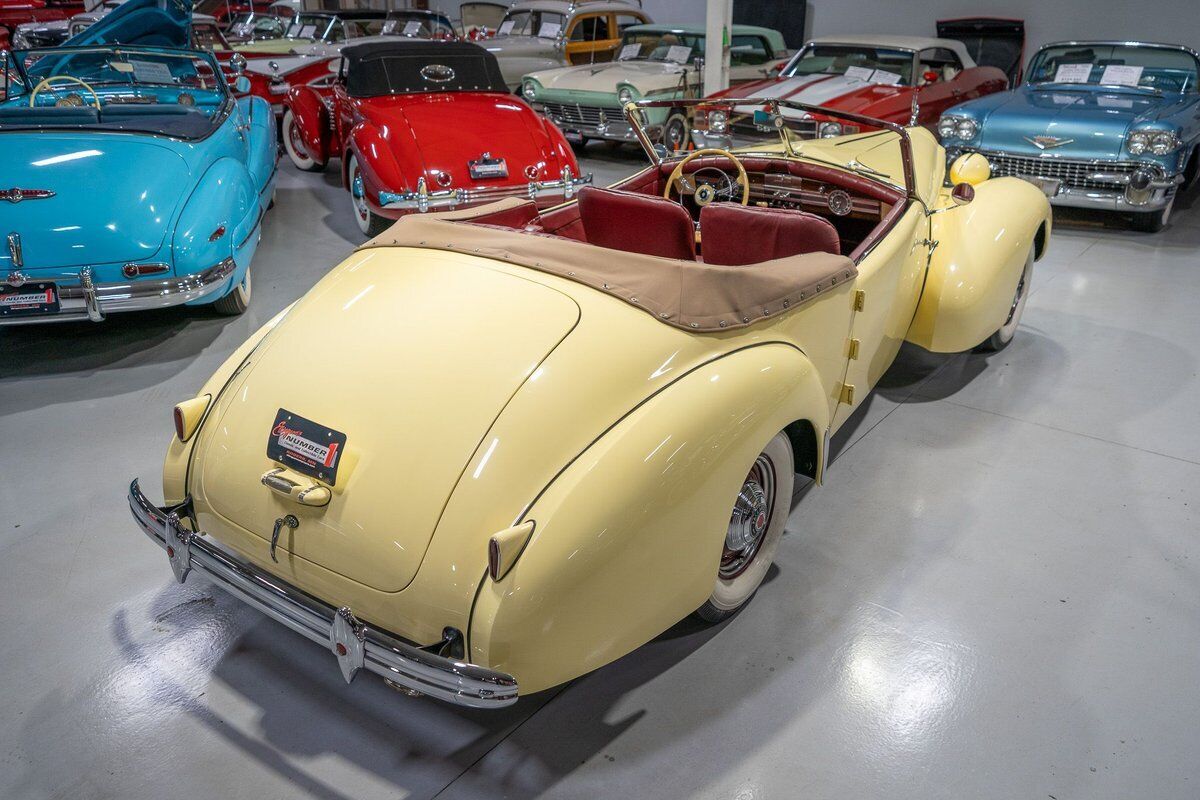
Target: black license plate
{"x": 30, "y": 298}
{"x": 305, "y": 446}
{"x": 488, "y": 168}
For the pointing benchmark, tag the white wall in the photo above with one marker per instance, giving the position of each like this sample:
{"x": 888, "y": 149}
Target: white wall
{"x": 1173, "y": 21}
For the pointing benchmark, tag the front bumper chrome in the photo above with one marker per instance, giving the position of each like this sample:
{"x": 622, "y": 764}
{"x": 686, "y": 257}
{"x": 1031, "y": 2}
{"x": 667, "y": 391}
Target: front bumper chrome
{"x": 355, "y": 645}
{"x": 424, "y": 200}
{"x": 88, "y": 300}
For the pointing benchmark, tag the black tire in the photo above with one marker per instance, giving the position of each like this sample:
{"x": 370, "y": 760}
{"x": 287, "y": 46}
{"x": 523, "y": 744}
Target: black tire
{"x": 676, "y": 132}
{"x": 1003, "y": 335}
{"x": 297, "y": 154}
{"x": 756, "y": 524}
{"x": 368, "y": 221}
{"x": 579, "y": 146}
{"x": 237, "y": 301}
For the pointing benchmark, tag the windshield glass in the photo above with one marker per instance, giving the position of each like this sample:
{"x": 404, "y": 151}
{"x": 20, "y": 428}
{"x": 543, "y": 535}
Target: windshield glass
{"x": 1155, "y": 68}
{"x": 417, "y": 25}
{"x": 681, "y": 48}
{"x": 545, "y": 24}
{"x": 308, "y": 26}
{"x": 867, "y": 64}
{"x": 256, "y": 26}
{"x": 175, "y": 94}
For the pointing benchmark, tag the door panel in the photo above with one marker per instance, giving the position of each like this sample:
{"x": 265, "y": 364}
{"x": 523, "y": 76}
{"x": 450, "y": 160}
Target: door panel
{"x": 890, "y": 278}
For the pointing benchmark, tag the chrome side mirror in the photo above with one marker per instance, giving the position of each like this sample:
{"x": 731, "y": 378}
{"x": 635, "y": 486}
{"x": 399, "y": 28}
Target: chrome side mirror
{"x": 241, "y": 84}
{"x": 237, "y": 62}
{"x": 661, "y": 150}
{"x": 962, "y": 193}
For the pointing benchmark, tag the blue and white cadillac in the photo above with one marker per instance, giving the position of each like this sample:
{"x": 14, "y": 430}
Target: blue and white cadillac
{"x": 131, "y": 176}
{"x": 1104, "y": 125}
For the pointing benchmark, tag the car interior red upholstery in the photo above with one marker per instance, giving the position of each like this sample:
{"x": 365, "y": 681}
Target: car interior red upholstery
{"x": 736, "y": 235}
{"x": 636, "y": 223}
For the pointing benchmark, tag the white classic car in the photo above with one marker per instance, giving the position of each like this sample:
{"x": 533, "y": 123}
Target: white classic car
{"x": 542, "y": 34}
{"x": 653, "y": 62}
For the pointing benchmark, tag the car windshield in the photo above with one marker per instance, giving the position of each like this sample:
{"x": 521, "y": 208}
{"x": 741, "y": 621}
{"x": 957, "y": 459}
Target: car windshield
{"x": 177, "y": 94}
{"x": 680, "y": 48}
{"x": 256, "y": 26}
{"x": 857, "y": 62}
{"x": 311, "y": 27}
{"x": 1160, "y": 69}
{"x": 417, "y": 25}
{"x": 546, "y": 24}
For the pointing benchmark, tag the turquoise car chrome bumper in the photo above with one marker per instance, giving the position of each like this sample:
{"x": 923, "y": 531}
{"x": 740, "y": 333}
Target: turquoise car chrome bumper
{"x": 84, "y": 299}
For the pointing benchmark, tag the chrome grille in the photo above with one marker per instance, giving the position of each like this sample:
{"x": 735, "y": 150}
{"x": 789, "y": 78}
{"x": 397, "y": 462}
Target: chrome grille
{"x": 575, "y": 114}
{"x": 1070, "y": 172}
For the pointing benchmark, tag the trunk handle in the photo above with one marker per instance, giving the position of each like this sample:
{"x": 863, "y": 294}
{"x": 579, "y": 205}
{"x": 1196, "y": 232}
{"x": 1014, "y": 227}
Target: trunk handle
{"x": 302, "y": 491}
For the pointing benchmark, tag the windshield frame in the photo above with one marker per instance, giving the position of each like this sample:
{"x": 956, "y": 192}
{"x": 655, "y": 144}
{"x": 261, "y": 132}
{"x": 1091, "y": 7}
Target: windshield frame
{"x": 775, "y": 105}
{"x": 222, "y": 110}
{"x": 1195, "y": 87}
{"x": 786, "y": 72}
{"x": 696, "y": 50}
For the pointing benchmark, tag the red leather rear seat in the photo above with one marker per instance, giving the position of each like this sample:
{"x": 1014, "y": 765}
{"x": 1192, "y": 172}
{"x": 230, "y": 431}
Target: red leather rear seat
{"x": 636, "y": 223}
{"x": 735, "y": 235}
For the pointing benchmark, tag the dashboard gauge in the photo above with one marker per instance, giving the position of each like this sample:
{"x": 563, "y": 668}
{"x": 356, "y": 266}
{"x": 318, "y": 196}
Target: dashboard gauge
{"x": 839, "y": 202}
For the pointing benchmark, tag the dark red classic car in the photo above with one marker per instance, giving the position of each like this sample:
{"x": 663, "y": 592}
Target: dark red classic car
{"x": 18, "y": 12}
{"x": 423, "y": 125}
{"x": 884, "y": 77}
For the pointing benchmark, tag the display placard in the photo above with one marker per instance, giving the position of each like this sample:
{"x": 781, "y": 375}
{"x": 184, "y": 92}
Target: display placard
{"x": 859, "y": 74}
{"x": 885, "y": 77}
{"x": 679, "y": 53}
{"x": 1073, "y": 73}
{"x": 1121, "y": 75}
{"x": 151, "y": 72}
{"x": 549, "y": 30}
{"x": 629, "y": 51}
{"x": 505, "y": 28}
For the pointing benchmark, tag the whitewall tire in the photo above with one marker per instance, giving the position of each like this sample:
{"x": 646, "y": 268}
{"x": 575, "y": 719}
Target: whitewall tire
{"x": 237, "y": 301}
{"x": 293, "y": 144}
{"x": 1005, "y": 333}
{"x": 756, "y": 525}
{"x": 368, "y": 221}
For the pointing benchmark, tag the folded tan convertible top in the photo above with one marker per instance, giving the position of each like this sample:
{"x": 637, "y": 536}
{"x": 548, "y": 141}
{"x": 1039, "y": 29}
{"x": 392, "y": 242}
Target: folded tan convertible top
{"x": 685, "y": 294}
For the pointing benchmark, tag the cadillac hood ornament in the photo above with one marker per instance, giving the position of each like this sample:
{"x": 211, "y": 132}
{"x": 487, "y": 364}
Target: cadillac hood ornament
{"x": 15, "y": 195}
{"x": 1047, "y": 142}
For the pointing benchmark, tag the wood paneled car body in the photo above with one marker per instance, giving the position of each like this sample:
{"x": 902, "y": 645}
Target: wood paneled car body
{"x": 540, "y": 438}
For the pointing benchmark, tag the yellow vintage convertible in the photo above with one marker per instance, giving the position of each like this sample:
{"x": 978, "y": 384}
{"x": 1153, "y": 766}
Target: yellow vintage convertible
{"x": 497, "y": 447}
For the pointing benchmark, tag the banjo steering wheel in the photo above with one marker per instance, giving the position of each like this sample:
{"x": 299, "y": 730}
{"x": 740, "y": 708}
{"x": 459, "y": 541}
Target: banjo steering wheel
{"x": 45, "y": 84}
{"x": 704, "y": 194}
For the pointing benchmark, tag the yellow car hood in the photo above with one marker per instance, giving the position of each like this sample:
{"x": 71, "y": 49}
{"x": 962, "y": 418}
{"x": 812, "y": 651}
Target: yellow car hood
{"x": 412, "y": 359}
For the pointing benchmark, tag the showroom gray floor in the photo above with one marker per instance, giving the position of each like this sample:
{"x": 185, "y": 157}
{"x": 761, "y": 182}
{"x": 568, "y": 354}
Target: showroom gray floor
{"x": 996, "y": 595}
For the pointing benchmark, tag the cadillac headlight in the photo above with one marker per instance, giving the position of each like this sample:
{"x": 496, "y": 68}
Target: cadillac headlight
{"x": 1163, "y": 142}
{"x": 625, "y": 95}
{"x": 951, "y": 127}
{"x": 947, "y": 127}
{"x": 528, "y": 90}
{"x": 718, "y": 121}
{"x": 1137, "y": 142}
{"x": 828, "y": 130}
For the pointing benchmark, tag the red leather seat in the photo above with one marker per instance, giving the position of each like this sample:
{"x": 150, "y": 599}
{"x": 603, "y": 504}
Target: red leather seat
{"x": 735, "y": 235}
{"x": 636, "y": 223}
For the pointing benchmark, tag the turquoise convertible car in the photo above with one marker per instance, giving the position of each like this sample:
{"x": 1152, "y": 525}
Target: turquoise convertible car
{"x": 132, "y": 178}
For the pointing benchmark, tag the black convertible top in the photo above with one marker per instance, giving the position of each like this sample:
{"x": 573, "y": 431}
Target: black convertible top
{"x": 407, "y": 66}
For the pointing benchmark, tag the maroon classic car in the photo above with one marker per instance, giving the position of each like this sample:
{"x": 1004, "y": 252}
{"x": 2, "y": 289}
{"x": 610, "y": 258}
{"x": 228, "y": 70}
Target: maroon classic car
{"x": 425, "y": 125}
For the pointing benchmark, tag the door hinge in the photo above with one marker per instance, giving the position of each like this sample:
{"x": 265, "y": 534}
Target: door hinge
{"x": 847, "y": 394}
{"x": 854, "y": 349}
{"x": 860, "y": 300}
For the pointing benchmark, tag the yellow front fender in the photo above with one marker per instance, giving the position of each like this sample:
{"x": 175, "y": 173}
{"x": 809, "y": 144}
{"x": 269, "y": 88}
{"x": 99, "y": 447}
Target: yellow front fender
{"x": 628, "y": 537}
{"x": 973, "y": 273}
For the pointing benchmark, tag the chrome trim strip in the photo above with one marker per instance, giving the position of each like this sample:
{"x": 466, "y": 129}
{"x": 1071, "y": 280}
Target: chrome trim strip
{"x": 355, "y": 644}
{"x": 89, "y": 300}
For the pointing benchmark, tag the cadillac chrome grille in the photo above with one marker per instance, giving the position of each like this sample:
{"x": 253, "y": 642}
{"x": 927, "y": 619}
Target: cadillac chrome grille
{"x": 1071, "y": 172}
{"x": 575, "y": 114}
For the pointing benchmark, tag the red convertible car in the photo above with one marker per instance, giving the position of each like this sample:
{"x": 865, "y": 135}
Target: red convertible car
{"x": 421, "y": 125}
{"x": 885, "y": 77}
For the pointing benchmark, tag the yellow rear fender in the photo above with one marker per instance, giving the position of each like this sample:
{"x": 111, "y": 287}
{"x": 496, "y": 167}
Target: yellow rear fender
{"x": 628, "y": 537}
{"x": 973, "y": 272}
{"x": 179, "y": 453}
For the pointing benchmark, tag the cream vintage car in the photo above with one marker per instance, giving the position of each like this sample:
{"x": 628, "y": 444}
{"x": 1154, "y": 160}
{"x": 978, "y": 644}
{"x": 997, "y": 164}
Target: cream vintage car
{"x": 497, "y": 448}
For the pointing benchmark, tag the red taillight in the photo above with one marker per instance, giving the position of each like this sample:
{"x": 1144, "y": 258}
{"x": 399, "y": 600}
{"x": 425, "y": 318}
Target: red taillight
{"x": 179, "y": 431}
{"x": 494, "y": 559}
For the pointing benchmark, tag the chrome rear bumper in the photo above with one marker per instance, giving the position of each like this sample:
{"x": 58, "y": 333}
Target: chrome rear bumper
{"x": 87, "y": 300}
{"x": 355, "y": 645}
{"x": 424, "y": 200}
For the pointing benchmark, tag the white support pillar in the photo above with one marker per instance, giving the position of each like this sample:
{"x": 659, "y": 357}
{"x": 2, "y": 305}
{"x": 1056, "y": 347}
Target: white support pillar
{"x": 718, "y": 19}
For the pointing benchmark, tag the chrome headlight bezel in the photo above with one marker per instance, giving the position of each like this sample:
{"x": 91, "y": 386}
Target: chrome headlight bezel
{"x": 1137, "y": 142}
{"x": 1164, "y": 142}
{"x": 718, "y": 121}
{"x": 947, "y": 126}
{"x": 954, "y": 126}
{"x": 1152, "y": 141}
{"x": 828, "y": 130}
{"x": 528, "y": 90}
{"x": 625, "y": 95}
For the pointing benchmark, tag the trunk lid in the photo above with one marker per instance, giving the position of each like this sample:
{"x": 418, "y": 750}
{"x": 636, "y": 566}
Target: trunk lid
{"x": 81, "y": 225}
{"x": 430, "y": 351}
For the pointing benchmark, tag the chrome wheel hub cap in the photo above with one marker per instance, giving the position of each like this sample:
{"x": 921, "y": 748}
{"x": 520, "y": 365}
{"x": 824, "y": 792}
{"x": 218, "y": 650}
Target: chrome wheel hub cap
{"x": 750, "y": 519}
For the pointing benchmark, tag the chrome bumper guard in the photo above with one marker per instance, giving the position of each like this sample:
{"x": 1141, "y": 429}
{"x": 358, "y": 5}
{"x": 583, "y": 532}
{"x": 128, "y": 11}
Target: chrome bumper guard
{"x": 355, "y": 645}
{"x": 92, "y": 301}
{"x": 424, "y": 200}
